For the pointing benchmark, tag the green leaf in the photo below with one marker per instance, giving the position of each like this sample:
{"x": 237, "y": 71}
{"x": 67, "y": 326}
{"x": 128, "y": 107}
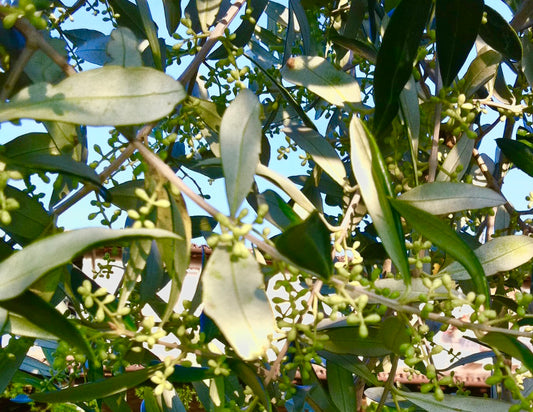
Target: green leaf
{"x": 202, "y": 224}
{"x": 517, "y": 152}
{"x": 122, "y": 48}
{"x": 234, "y": 297}
{"x": 123, "y": 195}
{"x": 499, "y": 35}
{"x": 54, "y": 164}
{"x": 240, "y": 145}
{"x": 40, "y": 313}
{"x": 427, "y": 402}
{"x": 41, "y": 68}
{"x": 176, "y": 252}
{"x": 108, "y": 96}
{"x": 250, "y": 378}
{"x": 351, "y": 363}
{"x": 341, "y": 387}
{"x": 19, "y": 326}
{"x": 151, "y": 32}
{"x": 11, "y": 357}
{"x": 412, "y": 292}
{"x": 501, "y": 254}
{"x": 444, "y": 237}
{"x": 439, "y": 198}
{"x": 321, "y": 151}
{"x": 394, "y": 334}
{"x": 410, "y": 111}
{"x": 29, "y": 221}
{"x": 375, "y": 188}
{"x": 23, "y": 268}
{"x": 97, "y": 390}
{"x": 308, "y": 245}
{"x": 481, "y": 70}
{"x": 279, "y": 212}
{"x": 129, "y": 16}
{"x": 458, "y": 22}
{"x": 322, "y": 78}
{"x": 460, "y": 155}
{"x": 363, "y": 49}
{"x": 172, "y": 14}
{"x": 184, "y": 374}
{"x": 395, "y": 59}
{"x": 287, "y": 186}
{"x": 511, "y": 346}
{"x": 346, "y": 340}
{"x": 207, "y": 12}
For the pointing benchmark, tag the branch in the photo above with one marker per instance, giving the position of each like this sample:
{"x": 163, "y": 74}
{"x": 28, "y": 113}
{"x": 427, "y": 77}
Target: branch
{"x": 35, "y": 39}
{"x": 215, "y": 34}
{"x": 108, "y": 172}
{"x": 393, "y": 304}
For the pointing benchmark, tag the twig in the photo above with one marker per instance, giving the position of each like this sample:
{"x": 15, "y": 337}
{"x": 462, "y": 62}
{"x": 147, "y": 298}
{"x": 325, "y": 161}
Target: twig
{"x": 108, "y": 172}
{"x": 215, "y": 34}
{"x": 393, "y": 304}
{"x": 35, "y": 39}
{"x": 16, "y": 71}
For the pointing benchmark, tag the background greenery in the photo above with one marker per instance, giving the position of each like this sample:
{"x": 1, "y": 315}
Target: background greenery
{"x": 390, "y": 219}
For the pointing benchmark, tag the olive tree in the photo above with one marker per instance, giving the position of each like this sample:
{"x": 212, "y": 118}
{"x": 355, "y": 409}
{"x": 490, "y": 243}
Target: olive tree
{"x": 381, "y": 214}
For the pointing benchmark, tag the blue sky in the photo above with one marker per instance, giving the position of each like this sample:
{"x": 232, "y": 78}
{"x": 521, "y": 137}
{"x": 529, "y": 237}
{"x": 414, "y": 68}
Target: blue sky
{"x": 515, "y": 190}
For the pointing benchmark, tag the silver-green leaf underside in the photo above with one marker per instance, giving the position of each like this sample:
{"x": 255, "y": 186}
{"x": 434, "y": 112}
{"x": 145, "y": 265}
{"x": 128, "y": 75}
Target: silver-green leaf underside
{"x": 320, "y": 150}
{"x": 499, "y": 255}
{"x": 322, "y": 78}
{"x": 234, "y": 297}
{"x": 440, "y": 198}
{"x": 23, "y": 268}
{"x": 240, "y": 145}
{"x": 108, "y": 96}
{"x": 460, "y": 154}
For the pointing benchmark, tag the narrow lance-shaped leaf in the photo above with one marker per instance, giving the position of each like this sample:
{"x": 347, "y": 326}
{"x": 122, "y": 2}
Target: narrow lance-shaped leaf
{"x": 108, "y": 96}
{"x": 308, "y": 245}
{"x": 374, "y": 186}
{"x": 460, "y": 155}
{"x": 9, "y": 365}
{"x": 517, "y": 152}
{"x": 172, "y": 14}
{"x": 396, "y": 57}
{"x": 341, "y": 387}
{"x": 54, "y": 164}
{"x": 207, "y": 11}
{"x": 151, "y": 32}
{"x": 511, "y": 346}
{"x": 440, "y": 198}
{"x": 98, "y": 390}
{"x": 234, "y": 297}
{"x": 40, "y": 313}
{"x": 23, "y": 268}
{"x": 457, "y": 27}
{"x": 323, "y": 154}
{"x": 482, "y": 69}
{"x": 240, "y": 145}
{"x": 122, "y": 48}
{"x": 499, "y": 35}
{"x": 499, "y": 255}
{"x": 441, "y": 235}
{"x": 322, "y": 78}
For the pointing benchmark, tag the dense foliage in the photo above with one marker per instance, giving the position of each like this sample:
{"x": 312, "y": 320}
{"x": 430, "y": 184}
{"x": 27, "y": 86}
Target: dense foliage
{"x": 381, "y": 216}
